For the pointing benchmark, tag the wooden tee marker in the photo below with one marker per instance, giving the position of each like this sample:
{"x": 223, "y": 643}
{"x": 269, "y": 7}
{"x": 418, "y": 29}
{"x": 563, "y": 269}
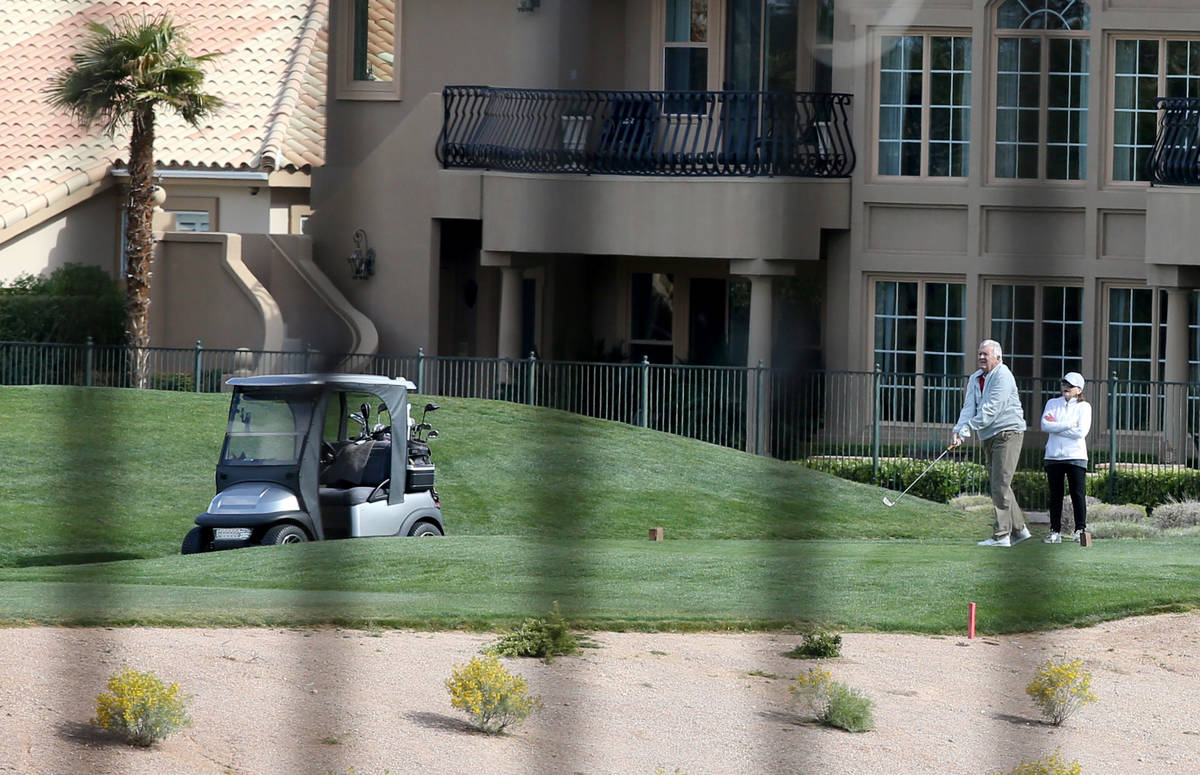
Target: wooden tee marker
{"x": 656, "y": 534}
{"x": 1085, "y": 539}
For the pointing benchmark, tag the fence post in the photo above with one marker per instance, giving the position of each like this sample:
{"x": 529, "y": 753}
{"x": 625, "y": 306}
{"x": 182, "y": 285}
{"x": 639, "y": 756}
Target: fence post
{"x": 1112, "y": 435}
{"x": 877, "y": 378}
{"x": 529, "y": 386}
{"x": 197, "y": 367}
{"x": 89, "y": 361}
{"x": 644, "y": 411}
{"x": 420, "y": 368}
{"x": 759, "y": 400}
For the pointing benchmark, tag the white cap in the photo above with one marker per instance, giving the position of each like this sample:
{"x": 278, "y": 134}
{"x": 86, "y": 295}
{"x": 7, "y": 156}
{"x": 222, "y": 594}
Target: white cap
{"x": 1074, "y": 379}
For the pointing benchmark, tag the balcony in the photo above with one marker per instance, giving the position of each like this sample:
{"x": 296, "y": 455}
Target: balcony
{"x": 695, "y": 133}
{"x": 1175, "y": 159}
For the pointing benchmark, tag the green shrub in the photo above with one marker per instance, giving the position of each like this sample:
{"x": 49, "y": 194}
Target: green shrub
{"x": 1031, "y": 488}
{"x": 140, "y": 707}
{"x": 493, "y": 697}
{"x": 1051, "y": 765}
{"x": 818, "y": 645}
{"x": 945, "y": 479}
{"x": 544, "y": 638}
{"x": 1104, "y": 529}
{"x": 1180, "y": 532}
{"x": 833, "y": 703}
{"x": 1175, "y": 513}
{"x": 1060, "y": 688}
{"x": 1147, "y": 486}
{"x": 67, "y": 307}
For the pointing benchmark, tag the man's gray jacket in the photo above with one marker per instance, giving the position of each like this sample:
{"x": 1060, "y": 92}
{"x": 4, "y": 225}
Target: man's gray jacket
{"x": 994, "y": 408}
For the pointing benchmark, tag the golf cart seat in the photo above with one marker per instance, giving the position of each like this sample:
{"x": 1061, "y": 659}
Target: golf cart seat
{"x": 349, "y": 496}
{"x": 358, "y": 464}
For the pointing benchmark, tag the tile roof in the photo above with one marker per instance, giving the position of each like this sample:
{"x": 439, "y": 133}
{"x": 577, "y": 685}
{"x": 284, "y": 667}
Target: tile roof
{"x": 271, "y": 75}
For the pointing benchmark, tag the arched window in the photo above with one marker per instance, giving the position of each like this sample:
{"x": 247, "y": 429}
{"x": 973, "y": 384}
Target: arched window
{"x": 1042, "y": 60}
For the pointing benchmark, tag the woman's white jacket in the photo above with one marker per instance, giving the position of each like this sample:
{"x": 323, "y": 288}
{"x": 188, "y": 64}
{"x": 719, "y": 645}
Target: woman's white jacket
{"x": 1067, "y": 430}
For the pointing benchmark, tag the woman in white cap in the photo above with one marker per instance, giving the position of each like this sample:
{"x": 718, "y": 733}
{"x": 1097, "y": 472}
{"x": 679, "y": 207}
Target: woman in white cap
{"x": 1066, "y": 421}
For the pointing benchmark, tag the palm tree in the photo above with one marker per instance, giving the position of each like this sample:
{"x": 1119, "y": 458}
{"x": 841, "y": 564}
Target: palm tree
{"x": 122, "y": 74}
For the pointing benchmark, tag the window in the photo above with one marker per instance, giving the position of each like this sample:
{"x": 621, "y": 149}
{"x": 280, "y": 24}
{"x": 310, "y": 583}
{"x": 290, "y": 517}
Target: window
{"x": 1040, "y": 329}
{"x": 1136, "y": 354}
{"x": 369, "y": 67}
{"x": 919, "y": 347}
{"x": 822, "y": 48}
{"x": 685, "y": 52}
{"x": 1042, "y": 53}
{"x": 1144, "y": 69}
{"x": 191, "y": 220}
{"x": 652, "y": 317}
{"x": 924, "y": 105}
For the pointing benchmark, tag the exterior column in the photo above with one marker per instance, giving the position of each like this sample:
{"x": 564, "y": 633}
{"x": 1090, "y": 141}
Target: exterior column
{"x": 508, "y": 341}
{"x": 1175, "y": 426}
{"x": 758, "y": 351}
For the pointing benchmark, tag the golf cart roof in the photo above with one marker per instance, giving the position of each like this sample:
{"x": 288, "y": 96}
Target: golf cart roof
{"x": 368, "y": 382}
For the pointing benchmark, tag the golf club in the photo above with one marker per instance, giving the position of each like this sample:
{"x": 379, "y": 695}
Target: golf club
{"x": 889, "y": 503}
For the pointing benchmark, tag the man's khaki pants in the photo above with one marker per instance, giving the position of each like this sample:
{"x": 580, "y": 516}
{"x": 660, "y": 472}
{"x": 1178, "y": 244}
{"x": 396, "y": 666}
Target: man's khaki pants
{"x": 1002, "y": 451}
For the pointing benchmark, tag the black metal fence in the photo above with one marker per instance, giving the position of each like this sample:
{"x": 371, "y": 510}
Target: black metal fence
{"x": 1175, "y": 159}
{"x": 646, "y": 132}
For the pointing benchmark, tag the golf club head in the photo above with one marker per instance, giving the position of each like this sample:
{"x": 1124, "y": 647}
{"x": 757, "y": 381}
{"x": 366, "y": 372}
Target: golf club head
{"x": 887, "y": 502}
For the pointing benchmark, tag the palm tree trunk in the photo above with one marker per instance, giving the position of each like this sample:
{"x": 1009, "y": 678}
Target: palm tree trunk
{"x": 139, "y": 245}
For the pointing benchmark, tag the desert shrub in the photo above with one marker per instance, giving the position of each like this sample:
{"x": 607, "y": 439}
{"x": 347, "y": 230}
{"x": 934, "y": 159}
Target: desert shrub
{"x": 1104, "y": 529}
{"x": 543, "y": 638}
{"x": 1147, "y": 486}
{"x": 972, "y": 502}
{"x": 1175, "y": 513}
{"x": 1060, "y": 688}
{"x": 140, "y": 707}
{"x": 493, "y": 697}
{"x": 1051, "y": 765}
{"x": 1181, "y": 532}
{"x": 833, "y": 703}
{"x": 1115, "y": 512}
{"x": 945, "y": 479}
{"x": 818, "y": 645}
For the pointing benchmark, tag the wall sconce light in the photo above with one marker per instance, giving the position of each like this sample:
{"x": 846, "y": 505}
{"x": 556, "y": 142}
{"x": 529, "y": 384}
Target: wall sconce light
{"x": 528, "y": 5}
{"x": 362, "y": 260}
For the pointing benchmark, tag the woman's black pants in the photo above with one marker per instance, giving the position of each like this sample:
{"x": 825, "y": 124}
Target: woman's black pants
{"x": 1076, "y": 477}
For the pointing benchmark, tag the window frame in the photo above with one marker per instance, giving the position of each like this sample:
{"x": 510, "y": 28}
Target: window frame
{"x": 1110, "y": 123}
{"x": 876, "y": 74}
{"x": 1037, "y": 355}
{"x": 993, "y": 121}
{"x": 715, "y": 44}
{"x": 349, "y": 88}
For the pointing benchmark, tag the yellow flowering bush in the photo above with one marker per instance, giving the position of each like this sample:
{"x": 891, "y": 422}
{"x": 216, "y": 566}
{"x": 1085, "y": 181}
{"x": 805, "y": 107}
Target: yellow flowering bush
{"x": 1059, "y": 688}
{"x": 833, "y": 703}
{"x": 140, "y": 707}
{"x": 1051, "y": 765}
{"x": 493, "y": 697}
{"x": 812, "y": 690}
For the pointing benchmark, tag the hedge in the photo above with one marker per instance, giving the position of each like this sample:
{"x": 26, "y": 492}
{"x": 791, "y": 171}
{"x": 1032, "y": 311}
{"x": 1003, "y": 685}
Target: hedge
{"x": 1148, "y": 486}
{"x": 945, "y": 479}
{"x": 67, "y": 307}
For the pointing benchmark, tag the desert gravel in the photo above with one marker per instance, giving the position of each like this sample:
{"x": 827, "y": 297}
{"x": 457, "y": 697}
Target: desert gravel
{"x": 300, "y": 702}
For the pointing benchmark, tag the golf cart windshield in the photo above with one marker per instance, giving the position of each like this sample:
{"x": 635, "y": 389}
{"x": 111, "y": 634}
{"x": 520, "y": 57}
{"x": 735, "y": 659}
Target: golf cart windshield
{"x": 262, "y": 431}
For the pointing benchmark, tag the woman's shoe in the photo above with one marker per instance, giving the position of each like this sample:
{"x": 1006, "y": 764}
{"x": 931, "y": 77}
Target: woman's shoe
{"x": 1052, "y": 538}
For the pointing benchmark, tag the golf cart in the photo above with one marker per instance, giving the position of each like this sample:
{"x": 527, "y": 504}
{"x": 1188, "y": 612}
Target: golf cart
{"x": 292, "y": 469}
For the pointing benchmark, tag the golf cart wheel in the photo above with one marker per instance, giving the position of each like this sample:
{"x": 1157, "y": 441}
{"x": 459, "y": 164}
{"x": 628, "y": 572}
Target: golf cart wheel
{"x": 424, "y": 530}
{"x": 284, "y": 534}
{"x": 193, "y": 542}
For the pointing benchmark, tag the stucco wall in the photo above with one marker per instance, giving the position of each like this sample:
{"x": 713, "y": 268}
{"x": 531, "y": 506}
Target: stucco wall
{"x": 85, "y": 234}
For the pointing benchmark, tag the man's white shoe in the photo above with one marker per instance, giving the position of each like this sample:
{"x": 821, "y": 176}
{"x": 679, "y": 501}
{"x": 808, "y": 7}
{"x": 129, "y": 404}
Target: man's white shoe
{"x": 1075, "y": 536}
{"x": 996, "y": 542}
{"x": 1021, "y": 536}
{"x": 1052, "y": 538}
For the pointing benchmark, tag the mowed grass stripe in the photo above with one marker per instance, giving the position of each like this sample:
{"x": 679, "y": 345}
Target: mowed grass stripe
{"x": 492, "y": 582}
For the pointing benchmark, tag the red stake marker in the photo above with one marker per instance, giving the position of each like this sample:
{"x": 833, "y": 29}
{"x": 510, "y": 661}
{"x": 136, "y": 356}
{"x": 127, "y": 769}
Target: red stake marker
{"x": 970, "y": 620}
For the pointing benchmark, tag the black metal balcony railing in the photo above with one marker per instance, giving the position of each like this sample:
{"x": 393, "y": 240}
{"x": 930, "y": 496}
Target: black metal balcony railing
{"x": 1175, "y": 159}
{"x": 646, "y": 132}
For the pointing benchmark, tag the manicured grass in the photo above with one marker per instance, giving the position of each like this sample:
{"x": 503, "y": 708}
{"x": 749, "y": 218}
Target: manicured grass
{"x": 100, "y": 486}
{"x": 108, "y": 474}
{"x": 489, "y": 582}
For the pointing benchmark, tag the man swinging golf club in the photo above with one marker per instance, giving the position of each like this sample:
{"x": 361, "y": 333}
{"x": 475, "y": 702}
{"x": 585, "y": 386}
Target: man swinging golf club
{"x": 992, "y": 408}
